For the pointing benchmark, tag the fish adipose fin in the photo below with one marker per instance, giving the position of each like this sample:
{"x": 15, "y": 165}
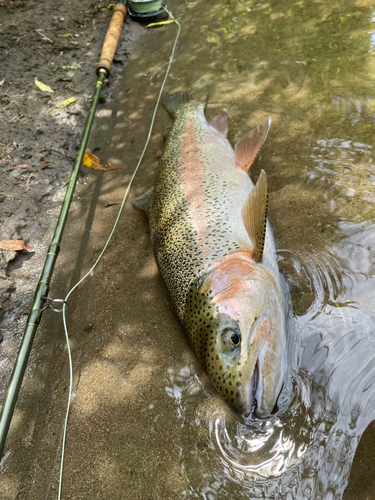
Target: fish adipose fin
{"x": 142, "y": 203}
{"x": 254, "y": 216}
{"x": 221, "y": 122}
{"x": 198, "y": 92}
{"x": 249, "y": 145}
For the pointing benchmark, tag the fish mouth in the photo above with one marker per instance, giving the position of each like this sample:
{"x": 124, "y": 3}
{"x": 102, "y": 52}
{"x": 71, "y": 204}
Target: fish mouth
{"x": 267, "y": 378}
{"x": 251, "y": 401}
{"x": 253, "y": 404}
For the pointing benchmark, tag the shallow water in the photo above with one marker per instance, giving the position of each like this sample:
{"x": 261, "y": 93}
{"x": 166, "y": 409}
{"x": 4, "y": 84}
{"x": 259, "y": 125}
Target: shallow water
{"x": 145, "y": 421}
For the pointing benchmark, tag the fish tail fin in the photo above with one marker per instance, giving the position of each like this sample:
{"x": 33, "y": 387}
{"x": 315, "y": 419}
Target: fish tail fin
{"x": 198, "y": 92}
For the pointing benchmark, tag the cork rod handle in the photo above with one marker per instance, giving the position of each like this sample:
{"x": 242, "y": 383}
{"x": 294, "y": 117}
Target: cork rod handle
{"x": 111, "y": 38}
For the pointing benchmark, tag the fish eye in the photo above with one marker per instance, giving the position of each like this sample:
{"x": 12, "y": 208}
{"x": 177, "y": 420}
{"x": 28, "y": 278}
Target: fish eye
{"x": 234, "y": 339}
{"x": 229, "y": 340}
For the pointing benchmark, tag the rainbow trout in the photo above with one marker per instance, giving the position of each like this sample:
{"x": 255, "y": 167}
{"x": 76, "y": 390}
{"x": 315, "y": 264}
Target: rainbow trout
{"x": 215, "y": 251}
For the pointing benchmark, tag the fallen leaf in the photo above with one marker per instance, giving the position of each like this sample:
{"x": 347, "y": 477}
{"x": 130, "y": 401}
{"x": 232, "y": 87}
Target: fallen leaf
{"x": 13, "y": 245}
{"x": 25, "y": 165}
{"x": 159, "y": 24}
{"x": 71, "y": 67}
{"x": 46, "y": 163}
{"x": 66, "y": 36}
{"x": 65, "y": 103}
{"x": 111, "y": 166}
{"x": 92, "y": 161}
{"x": 42, "y": 86}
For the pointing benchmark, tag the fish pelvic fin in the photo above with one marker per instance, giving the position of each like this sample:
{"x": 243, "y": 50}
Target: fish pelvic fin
{"x": 142, "y": 203}
{"x": 221, "y": 122}
{"x": 254, "y": 216}
{"x": 247, "y": 148}
{"x": 198, "y": 92}
{"x": 165, "y": 133}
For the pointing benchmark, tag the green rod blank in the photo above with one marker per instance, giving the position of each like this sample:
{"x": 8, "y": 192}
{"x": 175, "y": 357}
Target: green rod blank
{"x": 42, "y": 289}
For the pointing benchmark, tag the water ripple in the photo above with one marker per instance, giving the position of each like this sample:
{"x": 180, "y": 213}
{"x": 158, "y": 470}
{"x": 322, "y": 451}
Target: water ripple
{"x": 305, "y": 450}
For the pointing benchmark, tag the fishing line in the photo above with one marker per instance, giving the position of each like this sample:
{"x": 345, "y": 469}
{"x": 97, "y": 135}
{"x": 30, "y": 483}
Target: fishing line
{"x": 105, "y": 248}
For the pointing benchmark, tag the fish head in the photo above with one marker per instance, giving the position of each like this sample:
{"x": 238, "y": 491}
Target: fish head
{"x": 235, "y": 319}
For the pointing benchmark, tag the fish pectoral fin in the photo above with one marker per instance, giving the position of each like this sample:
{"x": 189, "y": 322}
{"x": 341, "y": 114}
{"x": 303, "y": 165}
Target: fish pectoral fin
{"x": 165, "y": 133}
{"x": 254, "y": 216}
{"x": 142, "y": 203}
{"x": 220, "y": 122}
{"x": 249, "y": 145}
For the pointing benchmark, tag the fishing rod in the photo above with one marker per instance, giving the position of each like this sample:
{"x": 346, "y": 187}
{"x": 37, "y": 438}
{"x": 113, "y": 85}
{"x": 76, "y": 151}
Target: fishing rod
{"x": 41, "y": 300}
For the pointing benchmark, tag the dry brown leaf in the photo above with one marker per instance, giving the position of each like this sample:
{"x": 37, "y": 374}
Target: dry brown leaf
{"x": 97, "y": 166}
{"x": 25, "y": 165}
{"x": 13, "y": 245}
{"x": 111, "y": 166}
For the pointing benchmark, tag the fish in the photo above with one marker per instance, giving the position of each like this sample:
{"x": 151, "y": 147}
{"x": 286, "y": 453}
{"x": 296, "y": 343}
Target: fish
{"x": 215, "y": 251}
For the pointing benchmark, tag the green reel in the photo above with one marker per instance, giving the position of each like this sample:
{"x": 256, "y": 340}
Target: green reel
{"x": 145, "y": 8}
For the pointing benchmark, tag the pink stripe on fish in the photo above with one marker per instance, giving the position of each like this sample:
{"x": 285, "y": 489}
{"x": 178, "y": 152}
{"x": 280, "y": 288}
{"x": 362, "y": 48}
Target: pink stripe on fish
{"x": 192, "y": 184}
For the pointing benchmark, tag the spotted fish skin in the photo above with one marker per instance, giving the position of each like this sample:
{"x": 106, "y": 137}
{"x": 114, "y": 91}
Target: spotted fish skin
{"x": 230, "y": 305}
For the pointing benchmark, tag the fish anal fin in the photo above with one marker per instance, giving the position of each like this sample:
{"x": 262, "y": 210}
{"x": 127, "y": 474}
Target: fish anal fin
{"x": 220, "y": 122}
{"x": 247, "y": 148}
{"x": 142, "y": 203}
{"x": 254, "y": 216}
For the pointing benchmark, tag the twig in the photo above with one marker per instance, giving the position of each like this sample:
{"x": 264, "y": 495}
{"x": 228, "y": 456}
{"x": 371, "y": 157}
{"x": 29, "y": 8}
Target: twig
{"x": 28, "y": 181}
{"x": 43, "y": 36}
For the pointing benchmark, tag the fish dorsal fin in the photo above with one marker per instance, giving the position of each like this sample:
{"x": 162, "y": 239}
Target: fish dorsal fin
{"x": 142, "y": 203}
{"x": 173, "y": 102}
{"x": 254, "y": 216}
{"x": 198, "y": 92}
{"x": 221, "y": 122}
{"x": 249, "y": 145}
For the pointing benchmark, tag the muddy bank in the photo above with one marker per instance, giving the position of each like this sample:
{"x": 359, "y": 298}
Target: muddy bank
{"x": 57, "y": 44}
